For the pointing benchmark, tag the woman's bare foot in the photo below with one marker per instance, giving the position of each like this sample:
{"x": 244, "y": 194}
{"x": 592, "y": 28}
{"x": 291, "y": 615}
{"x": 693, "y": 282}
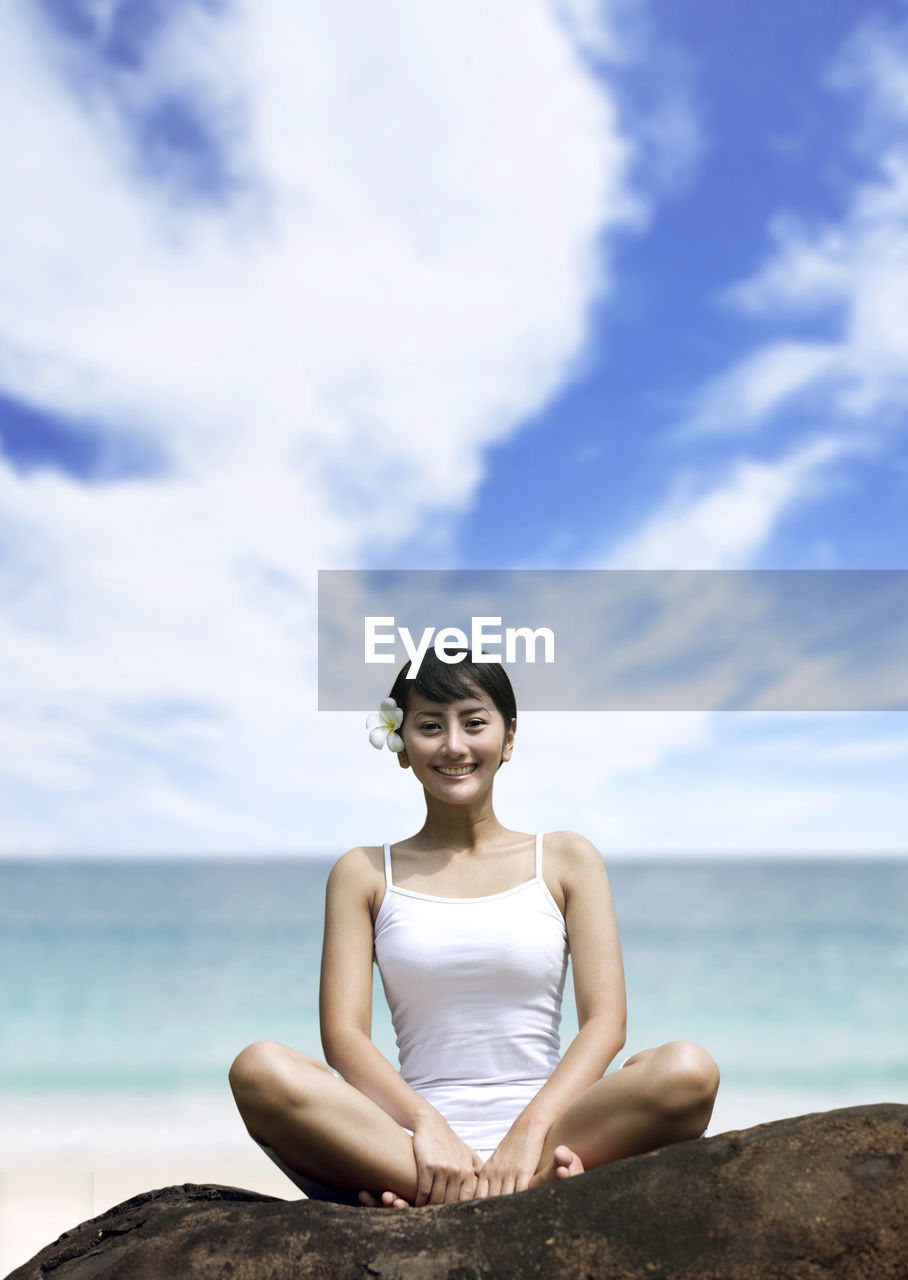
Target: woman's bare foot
{"x": 389, "y": 1200}
{"x": 565, "y": 1163}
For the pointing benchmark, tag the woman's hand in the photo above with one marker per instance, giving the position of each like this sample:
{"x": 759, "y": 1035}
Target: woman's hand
{"x": 446, "y": 1168}
{"x": 513, "y": 1163}
{"x": 440, "y": 1169}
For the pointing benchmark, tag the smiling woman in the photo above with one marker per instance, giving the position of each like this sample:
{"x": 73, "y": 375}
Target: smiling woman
{"x": 470, "y": 925}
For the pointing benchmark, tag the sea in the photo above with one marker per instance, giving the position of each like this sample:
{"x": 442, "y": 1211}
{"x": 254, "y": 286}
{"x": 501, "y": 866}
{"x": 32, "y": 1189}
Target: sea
{"x": 128, "y": 987}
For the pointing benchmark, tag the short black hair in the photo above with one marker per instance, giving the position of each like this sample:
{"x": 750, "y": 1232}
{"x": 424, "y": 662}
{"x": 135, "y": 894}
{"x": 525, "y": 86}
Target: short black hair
{"x": 447, "y": 681}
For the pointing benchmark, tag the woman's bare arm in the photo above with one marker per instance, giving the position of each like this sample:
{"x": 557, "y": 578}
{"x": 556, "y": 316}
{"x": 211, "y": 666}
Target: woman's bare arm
{"x": 598, "y": 972}
{"x": 345, "y": 993}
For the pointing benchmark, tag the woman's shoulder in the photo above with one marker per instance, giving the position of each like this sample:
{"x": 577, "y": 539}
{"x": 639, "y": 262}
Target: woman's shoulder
{"x": 571, "y": 855}
{"x": 361, "y": 868}
{"x": 570, "y": 844}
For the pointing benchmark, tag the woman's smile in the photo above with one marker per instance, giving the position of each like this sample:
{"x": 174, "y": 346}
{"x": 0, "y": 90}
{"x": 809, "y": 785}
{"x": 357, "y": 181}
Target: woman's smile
{"x": 455, "y": 771}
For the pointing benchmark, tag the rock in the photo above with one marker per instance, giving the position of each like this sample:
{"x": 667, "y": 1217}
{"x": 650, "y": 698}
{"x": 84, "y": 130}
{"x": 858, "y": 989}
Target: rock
{"x": 819, "y": 1196}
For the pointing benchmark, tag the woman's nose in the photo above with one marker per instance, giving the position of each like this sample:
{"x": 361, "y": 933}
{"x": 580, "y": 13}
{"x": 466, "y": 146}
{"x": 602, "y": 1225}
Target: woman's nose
{"x": 455, "y": 743}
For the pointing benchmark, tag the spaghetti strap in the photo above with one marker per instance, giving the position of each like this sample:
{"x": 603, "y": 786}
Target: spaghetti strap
{"x": 539, "y": 855}
{"x": 388, "y": 884}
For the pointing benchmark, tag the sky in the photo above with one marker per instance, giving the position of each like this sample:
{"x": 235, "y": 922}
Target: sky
{"x": 547, "y": 284}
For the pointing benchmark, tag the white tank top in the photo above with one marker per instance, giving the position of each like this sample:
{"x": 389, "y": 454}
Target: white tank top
{"x": 474, "y": 986}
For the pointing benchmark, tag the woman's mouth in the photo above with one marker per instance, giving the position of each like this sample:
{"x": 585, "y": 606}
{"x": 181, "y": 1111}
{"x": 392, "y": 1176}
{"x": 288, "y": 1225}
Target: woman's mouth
{"x": 460, "y": 771}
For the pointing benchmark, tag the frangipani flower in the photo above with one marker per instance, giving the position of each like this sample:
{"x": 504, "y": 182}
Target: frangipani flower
{"x": 383, "y": 725}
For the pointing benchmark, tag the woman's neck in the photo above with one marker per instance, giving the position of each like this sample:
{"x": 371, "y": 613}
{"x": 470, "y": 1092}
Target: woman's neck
{"x": 458, "y": 827}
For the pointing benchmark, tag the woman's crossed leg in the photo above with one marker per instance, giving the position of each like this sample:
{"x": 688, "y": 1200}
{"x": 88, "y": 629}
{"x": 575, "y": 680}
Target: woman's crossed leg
{"x": 659, "y": 1096}
{"x": 318, "y": 1124}
{"x": 330, "y": 1132}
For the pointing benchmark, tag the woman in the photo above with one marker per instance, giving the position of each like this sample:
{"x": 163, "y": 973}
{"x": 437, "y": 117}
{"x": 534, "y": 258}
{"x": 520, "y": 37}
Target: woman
{"x": 470, "y": 924}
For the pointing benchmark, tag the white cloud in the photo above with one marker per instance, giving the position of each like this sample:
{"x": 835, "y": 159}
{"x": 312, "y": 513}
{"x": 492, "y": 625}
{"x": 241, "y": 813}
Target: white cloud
{"x": 602, "y": 751}
{"x": 874, "y": 750}
{"x": 726, "y": 526}
{"x": 694, "y": 783}
{"x": 741, "y": 399}
{"x": 853, "y": 270}
{"x": 383, "y": 291}
{"x": 848, "y": 739}
{"x": 592, "y": 25}
{"x": 873, "y": 64}
{"x": 400, "y": 272}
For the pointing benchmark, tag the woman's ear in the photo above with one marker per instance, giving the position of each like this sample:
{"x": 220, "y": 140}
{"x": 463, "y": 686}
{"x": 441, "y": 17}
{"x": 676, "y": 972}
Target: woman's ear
{"x": 508, "y": 742}
{"x": 403, "y": 759}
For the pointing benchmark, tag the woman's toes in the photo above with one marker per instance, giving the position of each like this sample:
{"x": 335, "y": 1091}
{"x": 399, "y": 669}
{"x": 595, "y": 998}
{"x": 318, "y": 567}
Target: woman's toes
{"x": 391, "y": 1200}
{"x": 567, "y": 1163}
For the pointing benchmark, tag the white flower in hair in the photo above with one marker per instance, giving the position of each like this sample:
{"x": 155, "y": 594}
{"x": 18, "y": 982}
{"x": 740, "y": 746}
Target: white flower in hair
{"x": 383, "y": 725}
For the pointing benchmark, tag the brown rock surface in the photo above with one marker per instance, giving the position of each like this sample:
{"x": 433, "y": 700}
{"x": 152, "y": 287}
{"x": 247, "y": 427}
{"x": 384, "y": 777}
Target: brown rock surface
{"x": 819, "y": 1196}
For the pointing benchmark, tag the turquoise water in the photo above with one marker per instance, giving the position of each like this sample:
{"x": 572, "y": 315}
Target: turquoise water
{"x": 149, "y": 977}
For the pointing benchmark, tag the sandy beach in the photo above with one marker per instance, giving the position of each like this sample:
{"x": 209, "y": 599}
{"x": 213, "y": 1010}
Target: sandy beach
{"x": 68, "y": 1159}
{"x": 40, "y": 1201}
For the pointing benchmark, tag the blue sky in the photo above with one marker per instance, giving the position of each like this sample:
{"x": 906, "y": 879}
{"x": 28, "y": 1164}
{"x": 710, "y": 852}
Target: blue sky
{"x": 563, "y": 285}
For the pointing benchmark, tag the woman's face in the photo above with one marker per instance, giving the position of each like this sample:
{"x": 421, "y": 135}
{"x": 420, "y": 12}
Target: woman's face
{"x": 455, "y": 748}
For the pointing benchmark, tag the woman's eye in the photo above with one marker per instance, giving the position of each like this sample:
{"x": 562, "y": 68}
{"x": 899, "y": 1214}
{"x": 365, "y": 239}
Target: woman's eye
{"x": 476, "y": 724}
